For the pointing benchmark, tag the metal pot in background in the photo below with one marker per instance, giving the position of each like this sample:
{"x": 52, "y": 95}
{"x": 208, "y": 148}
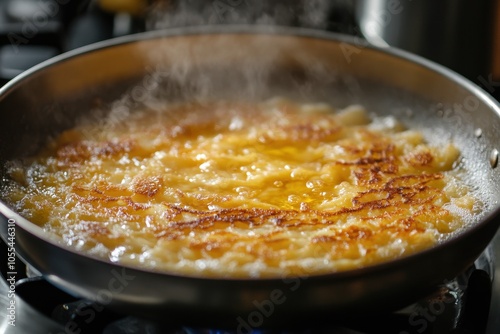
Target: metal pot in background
{"x": 458, "y": 34}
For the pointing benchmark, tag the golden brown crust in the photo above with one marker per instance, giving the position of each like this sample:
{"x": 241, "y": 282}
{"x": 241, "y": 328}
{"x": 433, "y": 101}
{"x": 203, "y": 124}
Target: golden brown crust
{"x": 241, "y": 190}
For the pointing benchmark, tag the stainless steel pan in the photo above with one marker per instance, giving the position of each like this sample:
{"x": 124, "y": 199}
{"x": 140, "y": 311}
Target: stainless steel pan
{"x": 250, "y": 63}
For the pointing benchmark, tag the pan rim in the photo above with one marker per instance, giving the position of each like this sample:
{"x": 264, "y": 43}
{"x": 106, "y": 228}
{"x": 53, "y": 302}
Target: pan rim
{"x": 449, "y": 74}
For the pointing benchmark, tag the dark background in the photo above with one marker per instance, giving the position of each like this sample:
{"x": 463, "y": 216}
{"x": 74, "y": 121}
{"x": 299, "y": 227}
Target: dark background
{"x": 463, "y": 35}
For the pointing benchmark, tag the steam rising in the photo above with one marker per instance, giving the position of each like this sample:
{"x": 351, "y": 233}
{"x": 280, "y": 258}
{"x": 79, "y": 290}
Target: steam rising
{"x": 199, "y": 69}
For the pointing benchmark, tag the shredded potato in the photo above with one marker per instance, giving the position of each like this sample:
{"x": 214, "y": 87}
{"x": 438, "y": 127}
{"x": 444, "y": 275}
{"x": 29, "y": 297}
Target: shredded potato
{"x": 228, "y": 189}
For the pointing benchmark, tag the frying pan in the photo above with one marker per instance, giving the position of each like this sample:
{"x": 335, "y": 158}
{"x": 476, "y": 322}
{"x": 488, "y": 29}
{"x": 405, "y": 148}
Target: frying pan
{"x": 251, "y": 63}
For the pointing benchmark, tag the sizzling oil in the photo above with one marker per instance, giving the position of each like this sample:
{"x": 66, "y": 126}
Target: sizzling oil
{"x": 244, "y": 190}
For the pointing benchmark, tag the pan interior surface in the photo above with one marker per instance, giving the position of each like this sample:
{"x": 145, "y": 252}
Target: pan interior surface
{"x": 150, "y": 71}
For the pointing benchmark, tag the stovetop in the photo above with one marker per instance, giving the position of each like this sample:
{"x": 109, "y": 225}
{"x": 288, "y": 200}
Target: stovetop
{"x": 470, "y": 303}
